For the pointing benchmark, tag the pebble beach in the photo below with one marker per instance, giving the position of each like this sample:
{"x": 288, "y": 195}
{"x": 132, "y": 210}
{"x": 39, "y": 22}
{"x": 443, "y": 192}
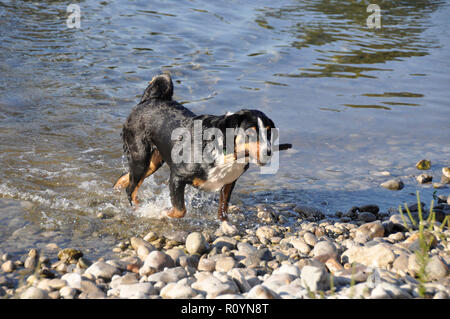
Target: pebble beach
{"x": 360, "y": 90}
{"x": 361, "y": 253}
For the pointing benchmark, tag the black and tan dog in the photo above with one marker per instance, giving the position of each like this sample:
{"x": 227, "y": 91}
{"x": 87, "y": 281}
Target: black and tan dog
{"x": 148, "y": 144}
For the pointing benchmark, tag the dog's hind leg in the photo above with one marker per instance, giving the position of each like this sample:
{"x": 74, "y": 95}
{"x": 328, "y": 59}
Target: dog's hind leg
{"x": 155, "y": 163}
{"x": 139, "y": 170}
{"x": 123, "y": 181}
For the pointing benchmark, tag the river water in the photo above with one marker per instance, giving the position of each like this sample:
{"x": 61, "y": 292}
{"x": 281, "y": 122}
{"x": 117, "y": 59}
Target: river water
{"x": 354, "y": 102}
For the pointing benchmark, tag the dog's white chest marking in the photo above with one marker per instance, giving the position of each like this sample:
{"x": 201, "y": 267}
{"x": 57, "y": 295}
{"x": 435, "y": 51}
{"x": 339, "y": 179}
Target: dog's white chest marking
{"x": 225, "y": 172}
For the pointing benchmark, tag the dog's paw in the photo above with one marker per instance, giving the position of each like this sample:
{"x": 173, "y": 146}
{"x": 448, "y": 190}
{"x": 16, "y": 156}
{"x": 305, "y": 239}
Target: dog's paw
{"x": 173, "y": 213}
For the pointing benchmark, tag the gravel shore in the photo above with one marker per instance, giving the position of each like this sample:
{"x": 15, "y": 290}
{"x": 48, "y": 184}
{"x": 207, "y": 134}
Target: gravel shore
{"x": 294, "y": 252}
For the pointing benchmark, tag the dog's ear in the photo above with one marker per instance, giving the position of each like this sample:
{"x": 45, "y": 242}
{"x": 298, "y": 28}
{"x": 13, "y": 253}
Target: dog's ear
{"x": 160, "y": 87}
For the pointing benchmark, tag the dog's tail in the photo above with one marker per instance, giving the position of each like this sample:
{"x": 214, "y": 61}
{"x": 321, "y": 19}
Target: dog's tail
{"x": 160, "y": 87}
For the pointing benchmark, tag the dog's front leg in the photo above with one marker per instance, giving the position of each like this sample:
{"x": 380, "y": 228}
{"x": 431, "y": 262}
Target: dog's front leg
{"x": 225, "y": 194}
{"x": 176, "y": 186}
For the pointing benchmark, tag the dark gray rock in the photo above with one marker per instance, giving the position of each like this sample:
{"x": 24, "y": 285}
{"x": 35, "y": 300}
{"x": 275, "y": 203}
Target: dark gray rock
{"x": 309, "y": 212}
{"x": 374, "y": 209}
{"x": 367, "y": 217}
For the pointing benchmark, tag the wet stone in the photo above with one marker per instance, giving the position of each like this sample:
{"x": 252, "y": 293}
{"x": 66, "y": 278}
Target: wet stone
{"x": 445, "y": 180}
{"x": 84, "y": 263}
{"x": 424, "y": 178}
{"x": 309, "y": 212}
{"x": 393, "y": 184}
{"x": 266, "y": 213}
{"x": 414, "y": 207}
{"x": 366, "y": 217}
{"x": 399, "y": 223}
{"x": 374, "y": 209}
{"x": 352, "y": 212}
{"x": 69, "y": 255}
{"x": 446, "y": 171}
{"x": 423, "y": 164}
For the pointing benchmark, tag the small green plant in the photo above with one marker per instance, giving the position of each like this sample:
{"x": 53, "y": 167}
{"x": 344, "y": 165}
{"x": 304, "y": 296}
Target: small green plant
{"x": 332, "y": 287}
{"x": 426, "y": 238}
{"x": 310, "y": 293}
{"x": 352, "y": 282}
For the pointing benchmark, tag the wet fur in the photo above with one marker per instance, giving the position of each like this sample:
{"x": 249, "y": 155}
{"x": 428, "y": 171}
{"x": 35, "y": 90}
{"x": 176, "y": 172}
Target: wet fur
{"x": 148, "y": 145}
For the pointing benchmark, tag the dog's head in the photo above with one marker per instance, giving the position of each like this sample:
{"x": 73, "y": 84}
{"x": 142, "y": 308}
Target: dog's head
{"x": 253, "y": 134}
{"x": 160, "y": 87}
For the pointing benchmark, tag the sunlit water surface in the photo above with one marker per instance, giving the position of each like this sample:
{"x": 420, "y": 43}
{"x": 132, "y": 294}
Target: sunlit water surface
{"x": 353, "y": 101}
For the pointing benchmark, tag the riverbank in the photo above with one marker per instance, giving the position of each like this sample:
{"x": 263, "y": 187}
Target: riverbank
{"x": 361, "y": 253}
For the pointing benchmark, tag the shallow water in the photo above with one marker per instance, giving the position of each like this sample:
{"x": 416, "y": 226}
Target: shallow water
{"x": 353, "y": 101}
